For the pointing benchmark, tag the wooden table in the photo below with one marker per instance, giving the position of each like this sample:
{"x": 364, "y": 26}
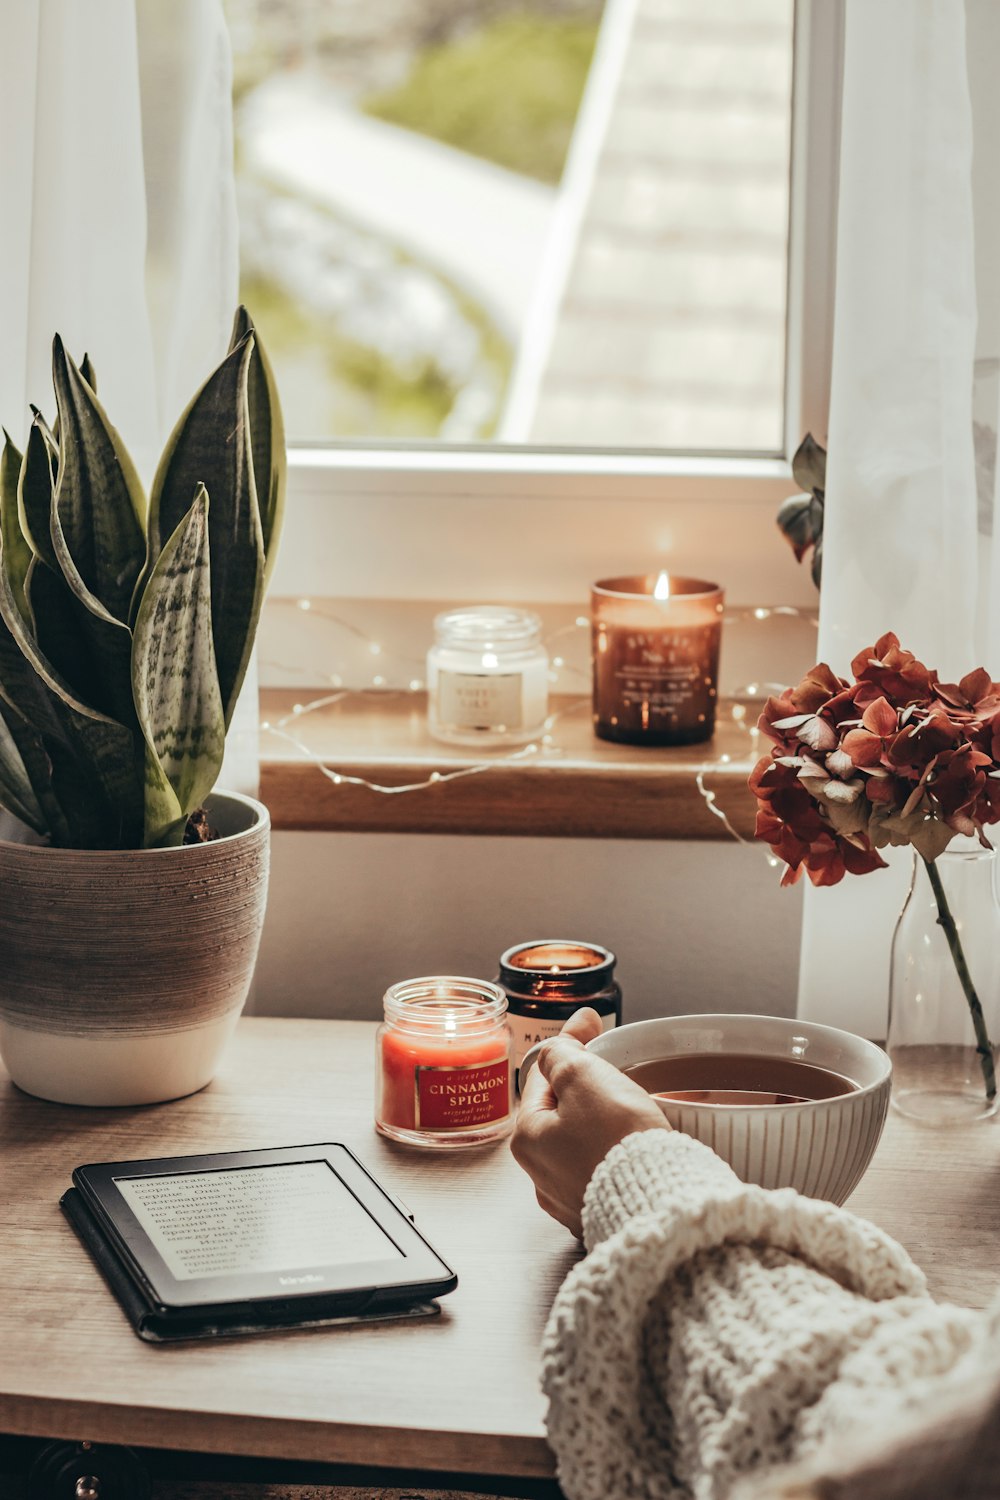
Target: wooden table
{"x": 457, "y": 1395}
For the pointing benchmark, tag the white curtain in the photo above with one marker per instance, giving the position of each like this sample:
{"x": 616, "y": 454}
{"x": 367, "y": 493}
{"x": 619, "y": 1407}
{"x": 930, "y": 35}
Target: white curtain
{"x": 118, "y": 226}
{"x": 911, "y": 481}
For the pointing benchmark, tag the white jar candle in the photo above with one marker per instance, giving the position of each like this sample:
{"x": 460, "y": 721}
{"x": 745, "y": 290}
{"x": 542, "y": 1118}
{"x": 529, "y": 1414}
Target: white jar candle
{"x": 487, "y": 676}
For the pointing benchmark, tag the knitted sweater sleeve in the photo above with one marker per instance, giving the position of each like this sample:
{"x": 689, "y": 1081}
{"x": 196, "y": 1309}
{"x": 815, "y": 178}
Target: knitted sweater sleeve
{"x": 717, "y": 1331}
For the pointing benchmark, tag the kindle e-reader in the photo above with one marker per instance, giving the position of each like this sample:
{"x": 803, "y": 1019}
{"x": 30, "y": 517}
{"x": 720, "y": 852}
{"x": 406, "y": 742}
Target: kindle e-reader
{"x": 201, "y": 1246}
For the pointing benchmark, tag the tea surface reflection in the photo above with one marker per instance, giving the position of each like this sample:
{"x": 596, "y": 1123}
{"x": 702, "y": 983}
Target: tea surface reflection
{"x": 738, "y": 1079}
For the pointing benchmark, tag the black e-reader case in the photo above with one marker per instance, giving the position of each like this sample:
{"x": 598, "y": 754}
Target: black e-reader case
{"x": 163, "y": 1308}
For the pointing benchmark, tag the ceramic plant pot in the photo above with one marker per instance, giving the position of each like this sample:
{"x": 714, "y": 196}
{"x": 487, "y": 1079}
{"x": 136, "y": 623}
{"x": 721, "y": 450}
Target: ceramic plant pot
{"x": 123, "y": 972}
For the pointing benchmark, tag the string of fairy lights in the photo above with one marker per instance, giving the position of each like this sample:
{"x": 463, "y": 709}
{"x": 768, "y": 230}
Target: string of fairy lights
{"x": 545, "y": 749}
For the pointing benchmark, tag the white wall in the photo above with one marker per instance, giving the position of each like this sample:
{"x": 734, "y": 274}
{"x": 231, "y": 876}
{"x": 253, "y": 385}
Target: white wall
{"x": 696, "y": 926}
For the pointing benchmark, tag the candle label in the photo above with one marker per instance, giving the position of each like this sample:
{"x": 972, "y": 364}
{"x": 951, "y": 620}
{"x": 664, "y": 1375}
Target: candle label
{"x": 658, "y": 680}
{"x": 480, "y": 700}
{"x": 462, "y": 1098}
{"x": 527, "y": 1030}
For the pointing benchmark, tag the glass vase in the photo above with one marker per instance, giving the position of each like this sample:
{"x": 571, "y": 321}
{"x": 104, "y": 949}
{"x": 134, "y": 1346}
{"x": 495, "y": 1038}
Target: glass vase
{"x": 944, "y": 989}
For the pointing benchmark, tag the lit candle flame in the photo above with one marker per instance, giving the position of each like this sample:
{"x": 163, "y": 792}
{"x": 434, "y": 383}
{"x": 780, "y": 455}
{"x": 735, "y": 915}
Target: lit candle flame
{"x": 662, "y": 589}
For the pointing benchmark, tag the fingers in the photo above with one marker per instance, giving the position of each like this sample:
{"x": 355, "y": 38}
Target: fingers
{"x": 583, "y": 1026}
{"x": 536, "y": 1093}
{"x": 559, "y": 1059}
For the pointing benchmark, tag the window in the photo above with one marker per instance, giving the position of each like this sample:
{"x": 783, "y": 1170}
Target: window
{"x": 586, "y": 280}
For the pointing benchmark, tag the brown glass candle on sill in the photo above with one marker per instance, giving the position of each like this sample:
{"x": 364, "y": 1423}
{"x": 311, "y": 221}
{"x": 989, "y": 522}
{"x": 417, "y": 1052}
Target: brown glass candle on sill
{"x": 549, "y": 980}
{"x": 656, "y": 659}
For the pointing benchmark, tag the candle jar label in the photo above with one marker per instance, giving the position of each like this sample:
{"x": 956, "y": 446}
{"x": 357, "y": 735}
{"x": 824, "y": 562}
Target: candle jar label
{"x": 480, "y": 700}
{"x": 658, "y": 683}
{"x": 462, "y": 1098}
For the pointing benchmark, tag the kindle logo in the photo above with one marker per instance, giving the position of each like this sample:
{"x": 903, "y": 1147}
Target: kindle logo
{"x": 298, "y": 1280}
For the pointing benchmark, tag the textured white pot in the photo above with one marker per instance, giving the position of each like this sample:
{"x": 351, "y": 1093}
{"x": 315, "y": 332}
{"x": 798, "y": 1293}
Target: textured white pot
{"x": 123, "y": 972}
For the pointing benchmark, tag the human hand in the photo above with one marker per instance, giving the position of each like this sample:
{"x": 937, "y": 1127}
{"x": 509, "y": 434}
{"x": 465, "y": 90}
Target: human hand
{"x": 574, "y": 1108}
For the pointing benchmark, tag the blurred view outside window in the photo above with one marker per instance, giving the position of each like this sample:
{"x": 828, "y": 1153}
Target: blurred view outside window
{"x": 558, "y": 222}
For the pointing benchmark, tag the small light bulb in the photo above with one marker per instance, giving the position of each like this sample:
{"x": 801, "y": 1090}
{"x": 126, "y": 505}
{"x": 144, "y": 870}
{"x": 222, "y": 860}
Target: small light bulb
{"x": 374, "y": 648}
{"x": 305, "y": 604}
{"x": 415, "y": 684}
{"x": 761, "y": 614}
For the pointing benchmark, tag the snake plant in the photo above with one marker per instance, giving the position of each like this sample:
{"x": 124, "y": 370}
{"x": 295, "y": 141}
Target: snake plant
{"x": 126, "y": 624}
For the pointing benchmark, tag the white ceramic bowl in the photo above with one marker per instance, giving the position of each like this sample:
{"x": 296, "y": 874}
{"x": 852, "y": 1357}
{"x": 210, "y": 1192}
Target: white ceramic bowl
{"x": 820, "y": 1147}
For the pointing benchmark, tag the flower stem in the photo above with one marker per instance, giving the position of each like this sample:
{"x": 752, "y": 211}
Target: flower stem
{"x": 947, "y": 922}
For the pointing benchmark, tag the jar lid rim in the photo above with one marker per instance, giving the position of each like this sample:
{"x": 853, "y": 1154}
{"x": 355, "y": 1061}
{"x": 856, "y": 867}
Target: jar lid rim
{"x": 606, "y": 959}
{"x": 482, "y": 624}
{"x": 445, "y": 1002}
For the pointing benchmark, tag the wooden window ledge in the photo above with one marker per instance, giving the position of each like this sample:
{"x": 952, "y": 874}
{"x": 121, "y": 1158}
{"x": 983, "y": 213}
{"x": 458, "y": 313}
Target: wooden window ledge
{"x": 577, "y": 787}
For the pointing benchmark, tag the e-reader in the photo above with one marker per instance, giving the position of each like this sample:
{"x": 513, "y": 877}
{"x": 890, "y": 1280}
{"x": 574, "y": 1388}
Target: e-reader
{"x": 248, "y": 1241}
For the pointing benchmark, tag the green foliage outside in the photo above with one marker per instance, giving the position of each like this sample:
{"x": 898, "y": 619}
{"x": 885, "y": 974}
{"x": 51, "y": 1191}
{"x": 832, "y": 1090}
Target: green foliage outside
{"x": 339, "y": 385}
{"x": 510, "y": 92}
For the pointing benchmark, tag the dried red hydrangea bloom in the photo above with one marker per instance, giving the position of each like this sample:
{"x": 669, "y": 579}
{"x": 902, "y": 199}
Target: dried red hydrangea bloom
{"x": 893, "y": 757}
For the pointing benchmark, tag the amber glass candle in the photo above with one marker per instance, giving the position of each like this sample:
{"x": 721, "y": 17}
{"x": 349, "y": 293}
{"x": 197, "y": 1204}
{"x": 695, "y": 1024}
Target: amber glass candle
{"x": 656, "y": 658}
{"x": 549, "y": 980}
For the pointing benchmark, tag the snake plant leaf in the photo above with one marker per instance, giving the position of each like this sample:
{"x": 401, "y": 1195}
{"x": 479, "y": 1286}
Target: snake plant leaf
{"x": 78, "y": 810}
{"x": 267, "y": 437}
{"x": 99, "y": 501}
{"x": 89, "y": 373}
{"x": 211, "y": 446}
{"x": 17, "y": 553}
{"x": 37, "y": 755}
{"x": 108, "y": 639}
{"x": 90, "y": 751}
{"x": 16, "y": 792}
{"x": 174, "y": 677}
{"x": 34, "y": 490}
{"x": 86, "y": 646}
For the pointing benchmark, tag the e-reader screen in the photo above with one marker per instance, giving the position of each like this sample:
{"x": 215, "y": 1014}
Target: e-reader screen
{"x": 233, "y": 1221}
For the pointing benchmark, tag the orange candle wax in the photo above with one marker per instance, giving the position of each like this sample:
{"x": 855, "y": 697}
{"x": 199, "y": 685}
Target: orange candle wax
{"x": 443, "y": 1060}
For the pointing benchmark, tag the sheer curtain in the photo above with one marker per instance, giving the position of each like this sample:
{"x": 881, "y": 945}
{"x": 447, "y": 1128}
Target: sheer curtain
{"x": 911, "y": 479}
{"x": 119, "y": 226}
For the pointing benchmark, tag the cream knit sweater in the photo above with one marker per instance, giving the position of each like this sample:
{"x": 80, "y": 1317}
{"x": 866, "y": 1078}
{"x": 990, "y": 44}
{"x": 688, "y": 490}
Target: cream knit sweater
{"x": 719, "y": 1340}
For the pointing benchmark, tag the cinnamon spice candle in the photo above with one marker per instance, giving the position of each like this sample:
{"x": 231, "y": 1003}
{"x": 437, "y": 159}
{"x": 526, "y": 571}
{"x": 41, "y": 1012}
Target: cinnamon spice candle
{"x": 443, "y": 1063}
{"x": 656, "y": 658}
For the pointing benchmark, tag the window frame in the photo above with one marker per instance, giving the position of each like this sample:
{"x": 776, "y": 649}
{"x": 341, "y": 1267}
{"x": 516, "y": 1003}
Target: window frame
{"x": 440, "y": 521}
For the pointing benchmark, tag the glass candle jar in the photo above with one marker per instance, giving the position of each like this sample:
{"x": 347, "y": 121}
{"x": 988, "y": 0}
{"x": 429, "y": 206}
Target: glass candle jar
{"x": 546, "y": 982}
{"x": 487, "y": 676}
{"x": 656, "y": 659}
{"x": 443, "y": 1074}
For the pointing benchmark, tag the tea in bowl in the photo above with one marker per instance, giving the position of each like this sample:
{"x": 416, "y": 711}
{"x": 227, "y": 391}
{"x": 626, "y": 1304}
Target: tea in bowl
{"x": 786, "y": 1103}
